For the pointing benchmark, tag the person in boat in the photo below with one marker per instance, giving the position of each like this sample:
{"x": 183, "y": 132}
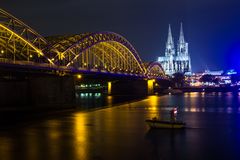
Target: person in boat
{"x": 154, "y": 118}
{"x": 173, "y": 114}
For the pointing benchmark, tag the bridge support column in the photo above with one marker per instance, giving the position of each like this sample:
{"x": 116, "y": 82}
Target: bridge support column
{"x": 109, "y": 88}
{"x": 52, "y": 91}
{"x": 150, "y": 86}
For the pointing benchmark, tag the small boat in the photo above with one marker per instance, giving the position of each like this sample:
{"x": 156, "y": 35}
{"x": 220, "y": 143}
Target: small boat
{"x": 155, "y": 123}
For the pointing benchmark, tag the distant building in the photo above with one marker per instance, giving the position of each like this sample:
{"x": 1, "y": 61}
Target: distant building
{"x": 172, "y": 62}
{"x": 214, "y": 73}
{"x": 221, "y": 78}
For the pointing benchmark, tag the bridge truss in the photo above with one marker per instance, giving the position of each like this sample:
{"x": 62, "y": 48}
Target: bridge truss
{"x": 155, "y": 70}
{"x": 94, "y": 52}
{"x": 104, "y": 51}
{"x": 19, "y": 43}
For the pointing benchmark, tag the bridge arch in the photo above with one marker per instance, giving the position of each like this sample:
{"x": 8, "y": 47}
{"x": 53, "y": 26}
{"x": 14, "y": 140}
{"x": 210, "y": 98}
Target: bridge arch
{"x": 19, "y": 43}
{"x": 155, "y": 70}
{"x": 102, "y": 51}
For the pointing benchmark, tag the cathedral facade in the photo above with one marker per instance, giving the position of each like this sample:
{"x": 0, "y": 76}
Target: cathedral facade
{"x": 174, "y": 62}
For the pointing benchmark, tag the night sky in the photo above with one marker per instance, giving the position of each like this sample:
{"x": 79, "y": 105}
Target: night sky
{"x": 211, "y": 28}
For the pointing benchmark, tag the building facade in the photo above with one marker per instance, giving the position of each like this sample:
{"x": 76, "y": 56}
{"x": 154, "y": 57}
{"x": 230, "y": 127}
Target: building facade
{"x": 173, "y": 61}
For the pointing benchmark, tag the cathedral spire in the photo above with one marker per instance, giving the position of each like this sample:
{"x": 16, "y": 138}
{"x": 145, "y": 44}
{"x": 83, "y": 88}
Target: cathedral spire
{"x": 170, "y": 44}
{"x": 170, "y": 38}
{"x": 181, "y": 37}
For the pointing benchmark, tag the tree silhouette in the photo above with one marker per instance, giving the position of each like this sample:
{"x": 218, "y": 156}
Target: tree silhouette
{"x": 207, "y": 78}
{"x": 178, "y": 79}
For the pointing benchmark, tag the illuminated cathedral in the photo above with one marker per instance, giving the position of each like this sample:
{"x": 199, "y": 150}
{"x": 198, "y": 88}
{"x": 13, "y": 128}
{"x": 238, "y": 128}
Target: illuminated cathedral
{"x": 172, "y": 62}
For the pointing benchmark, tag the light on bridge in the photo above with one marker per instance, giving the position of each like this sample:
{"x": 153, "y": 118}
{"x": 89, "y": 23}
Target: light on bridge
{"x": 109, "y": 87}
{"x": 2, "y": 51}
{"x": 79, "y": 76}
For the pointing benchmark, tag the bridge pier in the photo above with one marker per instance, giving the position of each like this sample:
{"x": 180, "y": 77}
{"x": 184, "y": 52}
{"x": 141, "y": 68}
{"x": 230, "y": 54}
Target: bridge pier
{"x": 52, "y": 91}
{"x": 21, "y": 91}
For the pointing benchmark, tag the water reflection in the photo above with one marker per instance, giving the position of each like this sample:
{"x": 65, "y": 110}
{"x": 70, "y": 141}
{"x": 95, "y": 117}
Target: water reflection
{"x": 98, "y": 100}
{"x": 153, "y": 107}
{"x": 32, "y": 142}
{"x": 109, "y": 100}
{"x": 165, "y": 143}
{"x": 153, "y": 101}
{"x": 5, "y": 148}
{"x": 80, "y": 135}
{"x": 120, "y": 132}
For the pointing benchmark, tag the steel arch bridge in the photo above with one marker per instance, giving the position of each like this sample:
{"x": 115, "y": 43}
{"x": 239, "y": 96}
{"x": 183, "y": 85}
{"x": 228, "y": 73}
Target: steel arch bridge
{"x": 94, "y": 52}
{"x": 102, "y": 51}
{"x": 19, "y": 43}
{"x": 154, "y": 69}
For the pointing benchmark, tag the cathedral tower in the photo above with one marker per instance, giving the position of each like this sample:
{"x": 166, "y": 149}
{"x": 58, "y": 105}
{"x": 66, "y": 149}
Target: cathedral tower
{"x": 183, "y": 59}
{"x": 182, "y": 48}
{"x": 170, "y": 49}
{"x": 180, "y": 62}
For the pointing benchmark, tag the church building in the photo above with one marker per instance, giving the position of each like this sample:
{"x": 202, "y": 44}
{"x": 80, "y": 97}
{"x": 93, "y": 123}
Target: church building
{"x": 174, "y": 62}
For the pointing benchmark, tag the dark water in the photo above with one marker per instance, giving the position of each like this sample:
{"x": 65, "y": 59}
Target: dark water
{"x": 119, "y": 133}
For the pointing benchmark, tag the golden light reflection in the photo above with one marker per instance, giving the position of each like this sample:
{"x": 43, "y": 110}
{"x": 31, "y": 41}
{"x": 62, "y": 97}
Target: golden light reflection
{"x": 54, "y": 135}
{"x": 32, "y": 142}
{"x": 80, "y": 135}
{"x": 153, "y": 101}
{"x": 54, "y": 128}
{"x": 153, "y": 104}
{"x": 191, "y": 94}
{"x": 187, "y": 94}
{"x": 193, "y": 110}
{"x": 5, "y": 148}
{"x": 109, "y": 100}
{"x": 153, "y": 108}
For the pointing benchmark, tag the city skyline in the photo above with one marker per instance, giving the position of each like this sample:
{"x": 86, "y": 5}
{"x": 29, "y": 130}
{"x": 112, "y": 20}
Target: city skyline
{"x": 210, "y": 27}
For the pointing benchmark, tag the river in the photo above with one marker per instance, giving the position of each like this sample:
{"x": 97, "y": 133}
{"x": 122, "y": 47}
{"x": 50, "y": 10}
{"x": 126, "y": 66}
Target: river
{"x": 119, "y": 132}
